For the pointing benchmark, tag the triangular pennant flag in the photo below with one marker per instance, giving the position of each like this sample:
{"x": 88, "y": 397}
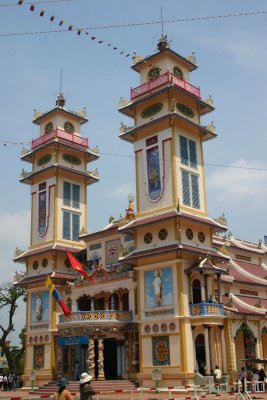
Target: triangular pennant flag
{"x": 55, "y": 293}
{"x": 78, "y": 266}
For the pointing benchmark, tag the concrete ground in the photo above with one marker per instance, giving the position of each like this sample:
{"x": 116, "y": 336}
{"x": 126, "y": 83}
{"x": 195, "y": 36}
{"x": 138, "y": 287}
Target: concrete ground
{"x": 144, "y": 394}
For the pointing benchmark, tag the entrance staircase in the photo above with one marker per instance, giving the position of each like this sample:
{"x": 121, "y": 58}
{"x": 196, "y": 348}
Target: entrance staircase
{"x": 73, "y": 387}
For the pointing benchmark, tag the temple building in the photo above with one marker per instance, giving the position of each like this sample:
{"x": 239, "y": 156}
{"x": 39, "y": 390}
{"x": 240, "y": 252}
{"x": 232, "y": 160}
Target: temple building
{"x": 171, "y": 292}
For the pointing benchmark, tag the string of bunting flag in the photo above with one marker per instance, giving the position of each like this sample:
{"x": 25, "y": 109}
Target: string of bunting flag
{"x": 70, "y": 27}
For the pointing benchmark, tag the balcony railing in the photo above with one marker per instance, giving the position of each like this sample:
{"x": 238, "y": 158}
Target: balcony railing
{"x": 96, "y": 316}
{"x": 206, "y": 309}
{"x": 168, "y": 77}
{"x": 58, "y": 133}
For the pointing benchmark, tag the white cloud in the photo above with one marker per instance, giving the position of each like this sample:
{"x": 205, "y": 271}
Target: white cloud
{"x": 14, "y": 232}
{"x": 236, "y": 186}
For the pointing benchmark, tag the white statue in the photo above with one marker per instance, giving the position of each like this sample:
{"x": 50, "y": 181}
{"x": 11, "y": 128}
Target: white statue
{"x": 157, "y": 284}
{"x": 39, "y": 307}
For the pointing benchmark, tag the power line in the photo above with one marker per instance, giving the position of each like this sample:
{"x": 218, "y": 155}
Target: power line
{"x": 36, "y": 2}
{"x": 5, "y": 143}
{"x": 205, "y": 18}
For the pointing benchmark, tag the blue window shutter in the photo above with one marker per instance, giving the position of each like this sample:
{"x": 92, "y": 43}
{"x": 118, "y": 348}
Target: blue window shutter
{"x": 186, "y": 189}
{"x": 183, "y": 150}
{"x": 195, "y": 191}
{"x": 76, "y": 196}
{"x": 193, "y": 153}
{"x": 66, "y": 225}
{"x": 75, "y": 227}
{"x": 66, "y": 193}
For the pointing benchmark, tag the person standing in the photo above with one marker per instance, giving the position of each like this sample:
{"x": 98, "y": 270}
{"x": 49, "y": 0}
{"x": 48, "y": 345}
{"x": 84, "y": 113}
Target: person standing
{"x": 217, "y": 375}
{"x": 242, "y": 378}
{"x": 1, "y": 381}
{"x": 262, "y": 376}
{"x": 62, "y": 392}
{"x": 256, "y": 378}
{"x": 86, "y": 390}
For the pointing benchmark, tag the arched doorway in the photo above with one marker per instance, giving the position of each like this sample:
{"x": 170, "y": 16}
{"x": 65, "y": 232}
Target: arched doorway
{"x": 264, "y": 341}
{"x": 200, "y": 353}
{"x": 245, "y": 344}
{"x": 196, "y": 289}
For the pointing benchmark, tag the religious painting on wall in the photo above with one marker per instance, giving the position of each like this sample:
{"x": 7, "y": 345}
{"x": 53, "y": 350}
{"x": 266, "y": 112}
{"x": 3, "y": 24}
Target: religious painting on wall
{"x": 161, "y": 350}
{"x": 42, "y": 218}
{"x": 38, "y": 357}
{"x": 112, "y": 251}
{"x": 159, "y": 288}
{"x": 39, "y": 307}
{"x": 153, "y": 173}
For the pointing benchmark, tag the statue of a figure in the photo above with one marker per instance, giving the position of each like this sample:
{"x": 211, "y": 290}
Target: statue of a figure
{"x": 157, "y": 286}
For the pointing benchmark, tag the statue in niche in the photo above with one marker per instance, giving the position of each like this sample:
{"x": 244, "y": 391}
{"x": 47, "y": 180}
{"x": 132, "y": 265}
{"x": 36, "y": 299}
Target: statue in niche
{"x": 157, "y": 286}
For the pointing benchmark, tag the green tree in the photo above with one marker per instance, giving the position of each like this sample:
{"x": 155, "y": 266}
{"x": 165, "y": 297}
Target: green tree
{"x": 9, "y": 296}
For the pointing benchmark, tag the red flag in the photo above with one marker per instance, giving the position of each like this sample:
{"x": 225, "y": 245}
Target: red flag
{"x": 78, "y": 266}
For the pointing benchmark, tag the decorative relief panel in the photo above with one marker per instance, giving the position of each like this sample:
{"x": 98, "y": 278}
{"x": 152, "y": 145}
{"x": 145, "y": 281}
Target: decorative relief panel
{"x": 161, "y": 350}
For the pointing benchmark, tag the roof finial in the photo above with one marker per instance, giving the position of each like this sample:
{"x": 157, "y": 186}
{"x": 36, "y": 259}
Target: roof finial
{"x": 60, "y": 98}
{"x": 163, "y": 41}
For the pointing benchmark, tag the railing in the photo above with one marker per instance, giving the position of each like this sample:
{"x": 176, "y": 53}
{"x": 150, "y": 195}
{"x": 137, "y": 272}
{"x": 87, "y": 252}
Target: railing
{"x": 58, "y": 133}
{"x": 206, "y": 309}
{"x": 97, "y": 315}
{"x": 161, "y": 80}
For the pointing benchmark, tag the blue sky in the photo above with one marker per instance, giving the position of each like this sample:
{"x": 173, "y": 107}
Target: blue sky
{"x": 231, "y": 54}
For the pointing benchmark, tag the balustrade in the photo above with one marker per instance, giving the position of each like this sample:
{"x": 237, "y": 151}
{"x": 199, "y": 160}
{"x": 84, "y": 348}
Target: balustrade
{"x": 96, "y": 315}
{"x": 161, "y": 80}
{"x": 206, "y": 309}
{"x": 58, "y": 133}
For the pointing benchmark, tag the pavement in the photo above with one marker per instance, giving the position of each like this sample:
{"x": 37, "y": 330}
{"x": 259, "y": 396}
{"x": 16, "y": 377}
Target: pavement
{"x": 144, "y": 394}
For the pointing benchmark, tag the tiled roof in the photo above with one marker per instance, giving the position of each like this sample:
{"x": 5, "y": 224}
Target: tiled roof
{"x": 236, "y": 304}
{"x": 55, "y": 247}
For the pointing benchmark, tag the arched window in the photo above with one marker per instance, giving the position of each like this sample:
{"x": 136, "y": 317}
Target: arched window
{"x": 196, "y": 289}
{"x": 114, "y": 302}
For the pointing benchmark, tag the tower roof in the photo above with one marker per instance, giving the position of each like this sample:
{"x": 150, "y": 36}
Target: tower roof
{"x": 164, "y": 49}
{"x": 60, "y": 103}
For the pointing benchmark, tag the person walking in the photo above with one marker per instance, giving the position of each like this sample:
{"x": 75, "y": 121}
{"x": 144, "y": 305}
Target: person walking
{"x": 86, "y": 390}
{"x": 217, "y": 375}
{"x": 62, "y": 392}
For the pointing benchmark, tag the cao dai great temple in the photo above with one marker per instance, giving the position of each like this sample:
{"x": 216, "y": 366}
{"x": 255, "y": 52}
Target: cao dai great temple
{"x": 173, "y": 289}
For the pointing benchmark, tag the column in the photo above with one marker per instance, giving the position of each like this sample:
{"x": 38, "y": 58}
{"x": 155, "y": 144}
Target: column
{"x": 194, "y": 347}
{"x": 59, "y": 362}
{"x": 123, "y": 359}
{"x": 92, "y": 304}
{"x": 100, "y": 361}
{"x": 91, "y": 357}
{"x": 131, "y": 300}
{"x": 202, "y": 283}
{"x": 189, "y": 289}
{"x": 211, "y": 341}
{"x": 230, "y": 349}
{"x": 119, "y": 360}
{"x": 207, "y": 348}
{"x": 223, "y": 349}
{"x": 112, "y": 302}
{"x": 219, "y": 288}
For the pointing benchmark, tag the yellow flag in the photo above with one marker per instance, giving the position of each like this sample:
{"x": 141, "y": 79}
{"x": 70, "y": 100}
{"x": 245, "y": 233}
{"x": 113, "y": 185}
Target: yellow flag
{"x": 49, "y": 284}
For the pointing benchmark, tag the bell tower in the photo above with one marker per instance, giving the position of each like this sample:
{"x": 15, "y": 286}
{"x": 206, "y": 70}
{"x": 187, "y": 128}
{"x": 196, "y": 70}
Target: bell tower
{"x": 167, "y": 133}
{"x": 172, "y": 229}
{"x": 58, "y": 183}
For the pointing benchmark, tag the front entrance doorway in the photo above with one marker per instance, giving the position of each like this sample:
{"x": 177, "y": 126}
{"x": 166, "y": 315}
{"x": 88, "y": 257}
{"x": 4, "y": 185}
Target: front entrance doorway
{"x": 200, "y": 354}
{"x": 110, "y": 357}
